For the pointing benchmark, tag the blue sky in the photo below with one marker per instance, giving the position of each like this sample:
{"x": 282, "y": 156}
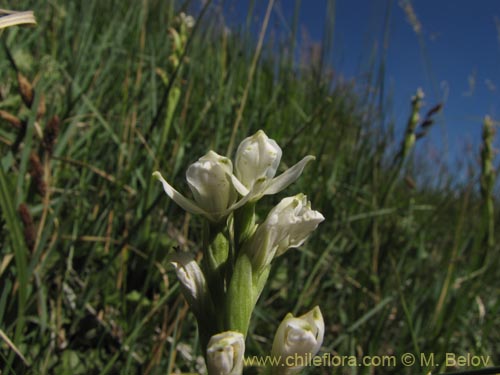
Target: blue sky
{"x": 454, "y": 56}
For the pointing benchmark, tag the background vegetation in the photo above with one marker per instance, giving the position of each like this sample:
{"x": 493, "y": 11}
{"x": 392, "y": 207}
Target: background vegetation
{"x": 100, "y": 94}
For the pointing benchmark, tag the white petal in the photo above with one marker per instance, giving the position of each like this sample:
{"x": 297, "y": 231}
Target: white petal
{"x": 299, "y": 338}
{"x": 240, "y": 188}
{"x": 286, "y": 178}
{"x": 315, "y": 318}
{"x": 178, "y": 198}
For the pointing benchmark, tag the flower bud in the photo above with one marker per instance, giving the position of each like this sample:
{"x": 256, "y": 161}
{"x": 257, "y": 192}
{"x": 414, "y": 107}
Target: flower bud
{"x": 225, "y": 353}
{"x": 298, "y": 337}
{"x": 288, "y": 225}
{"x": 193, "y": 284}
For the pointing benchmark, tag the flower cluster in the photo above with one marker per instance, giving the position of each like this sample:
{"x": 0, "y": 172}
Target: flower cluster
{"x": 238, "y": 252}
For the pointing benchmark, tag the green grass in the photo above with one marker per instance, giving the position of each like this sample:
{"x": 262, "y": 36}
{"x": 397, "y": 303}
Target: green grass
{"x": 394, "y": 268}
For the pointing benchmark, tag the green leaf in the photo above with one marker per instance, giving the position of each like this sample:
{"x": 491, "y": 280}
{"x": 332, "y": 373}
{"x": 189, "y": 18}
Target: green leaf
{"x": 240, "y": 301}
{"x": 20, "y": 251}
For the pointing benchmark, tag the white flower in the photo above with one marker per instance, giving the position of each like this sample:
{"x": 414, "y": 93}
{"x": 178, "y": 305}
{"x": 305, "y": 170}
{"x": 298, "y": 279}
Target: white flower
{"x": 193, "y": 283}
{"x": 215, "y": 187}
{"x": 187, "y": 20}
{"x": 225, "y": 353}
{"x": 257, "y": 160}
{"x": 287, "y": 225}
{"x": 211, "y": 180}
{"x": 298, "y": 337}
{"x": 257, "y": 157}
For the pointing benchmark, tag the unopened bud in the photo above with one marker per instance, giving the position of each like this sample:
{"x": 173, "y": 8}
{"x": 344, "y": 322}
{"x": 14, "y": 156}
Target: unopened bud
{"x": 298, "y": 337}
{"x": 225, "y": 353}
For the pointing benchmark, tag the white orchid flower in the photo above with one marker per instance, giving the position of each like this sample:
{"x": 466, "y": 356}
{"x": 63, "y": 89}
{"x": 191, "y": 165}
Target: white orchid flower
{"x": 225, "y": 353}
{"x": 211, "y": 181}
{"x": 187, "y": 20}
{"x": 298, "y": 337}
{"x": 257, "y": 160}
{"x": 192, "y": 279}
{"x": 214, "y": 185}
{"x": 287, "y": 225}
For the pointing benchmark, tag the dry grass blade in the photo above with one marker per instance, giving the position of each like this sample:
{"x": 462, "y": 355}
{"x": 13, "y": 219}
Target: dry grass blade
{"x": 10, "y": 18}
{"x": 14, "y": 348}
{"x": 97, "y": 171}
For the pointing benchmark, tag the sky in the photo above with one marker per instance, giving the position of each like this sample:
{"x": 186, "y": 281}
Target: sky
{"x": 450, "y": 49}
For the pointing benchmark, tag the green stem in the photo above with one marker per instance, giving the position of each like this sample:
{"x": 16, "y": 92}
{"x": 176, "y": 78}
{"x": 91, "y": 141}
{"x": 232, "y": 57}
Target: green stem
{"x": 244, "y": 223}
{"x": 215, "y": 257}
